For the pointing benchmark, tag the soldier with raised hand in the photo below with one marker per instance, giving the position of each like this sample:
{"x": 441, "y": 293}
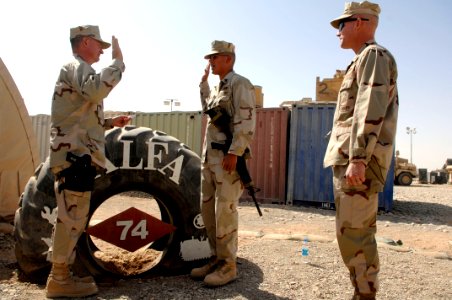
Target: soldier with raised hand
{"x": 232, "y": 117}
{"x": 77, "y": 151}
{"x": 361, "y": 144}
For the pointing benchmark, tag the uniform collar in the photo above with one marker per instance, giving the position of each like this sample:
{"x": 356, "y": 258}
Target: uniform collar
{"x": 366, "y": 44}
{"x": 227, "y": 78}
{"x": 78, "y": 57}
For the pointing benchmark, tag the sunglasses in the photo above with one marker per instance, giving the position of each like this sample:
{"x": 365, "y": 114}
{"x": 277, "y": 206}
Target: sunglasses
{"x": 342, "y": 23}
{"x": 215, "y": 56}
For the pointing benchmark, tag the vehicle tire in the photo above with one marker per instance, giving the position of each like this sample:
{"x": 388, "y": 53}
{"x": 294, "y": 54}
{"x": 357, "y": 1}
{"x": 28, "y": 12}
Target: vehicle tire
{"x": 178, "y": 198}
{"x": 404, "y": 179}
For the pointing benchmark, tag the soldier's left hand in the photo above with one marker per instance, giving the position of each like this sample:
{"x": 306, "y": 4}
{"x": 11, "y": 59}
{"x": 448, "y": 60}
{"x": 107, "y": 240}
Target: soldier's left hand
{"x": 355, "y": 173}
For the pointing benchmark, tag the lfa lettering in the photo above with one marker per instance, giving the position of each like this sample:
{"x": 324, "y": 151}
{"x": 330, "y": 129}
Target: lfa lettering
{"x": 154, "y": 161}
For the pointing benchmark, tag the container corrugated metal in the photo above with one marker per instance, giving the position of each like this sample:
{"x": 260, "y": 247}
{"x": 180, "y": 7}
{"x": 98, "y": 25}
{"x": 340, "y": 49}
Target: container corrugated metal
{"x": 268, "y": 164}
{"x": 41, "y": 127}
{"x": 423, "y": 175}
{"x": 385, "y": 198}
{"x": 308, "y": 182}
{"x": 185, "y": 126}
{"x": 267, "y": 167}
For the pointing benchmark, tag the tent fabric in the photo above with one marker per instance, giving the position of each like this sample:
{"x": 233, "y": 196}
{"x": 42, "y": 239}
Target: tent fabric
{"x": 19, "y": 154}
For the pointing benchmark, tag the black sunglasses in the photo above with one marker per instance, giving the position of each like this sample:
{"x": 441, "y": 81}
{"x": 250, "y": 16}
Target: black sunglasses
{"x": 342, "y": 22}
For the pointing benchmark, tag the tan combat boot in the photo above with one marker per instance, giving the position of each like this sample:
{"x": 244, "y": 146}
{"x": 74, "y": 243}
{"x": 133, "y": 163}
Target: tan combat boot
{"x": 225, "y": 273}
{"x": 359, "y": 296}
{"x": 201, "y": 272}
{"x": 85, "y": 279}
{"x": 61, "y": 284}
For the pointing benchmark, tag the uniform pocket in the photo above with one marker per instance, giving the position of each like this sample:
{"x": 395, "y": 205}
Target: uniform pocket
{"x": 347, "y": 95}
{"x": 342, "y": 143}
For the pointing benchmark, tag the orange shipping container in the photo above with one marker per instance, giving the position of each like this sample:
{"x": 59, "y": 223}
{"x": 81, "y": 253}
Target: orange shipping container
{"x": 267, "y": 166}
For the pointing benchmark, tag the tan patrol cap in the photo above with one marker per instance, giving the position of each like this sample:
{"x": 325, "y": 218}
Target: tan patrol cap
{"x": 354, "y": 8}
{"x": 89, "y": 30}
{"x": 221, "y": 47}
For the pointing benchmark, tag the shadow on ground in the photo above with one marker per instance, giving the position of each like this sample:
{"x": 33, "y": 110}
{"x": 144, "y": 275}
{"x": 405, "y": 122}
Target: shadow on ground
{"x": 403, "y": 211}
{"x": 183, "y": 287}
{"x": 419, "y": 213}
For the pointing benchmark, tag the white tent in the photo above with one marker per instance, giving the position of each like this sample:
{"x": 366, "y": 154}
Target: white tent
{"x": 19, "y": 155}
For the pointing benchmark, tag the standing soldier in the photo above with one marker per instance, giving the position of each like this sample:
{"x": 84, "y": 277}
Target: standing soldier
{"x": 77, "y": 150}
{"x": 361, "y": 145}
{"x": 231, "y": 109}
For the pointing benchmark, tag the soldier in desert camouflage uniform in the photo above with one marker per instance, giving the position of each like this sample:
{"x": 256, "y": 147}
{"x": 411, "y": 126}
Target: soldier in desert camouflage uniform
{"x": 362, "y": 142}
{"x": 77, "y": 150}
{"x": 221, "y": 187}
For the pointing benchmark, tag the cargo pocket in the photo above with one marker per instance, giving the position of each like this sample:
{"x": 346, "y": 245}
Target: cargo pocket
{"x": 342, "y": 144}
{"x": 346, "y": 95}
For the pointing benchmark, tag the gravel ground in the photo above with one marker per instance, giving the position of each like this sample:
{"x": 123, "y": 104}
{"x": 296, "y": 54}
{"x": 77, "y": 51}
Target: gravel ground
{"x": 415, "y": 246}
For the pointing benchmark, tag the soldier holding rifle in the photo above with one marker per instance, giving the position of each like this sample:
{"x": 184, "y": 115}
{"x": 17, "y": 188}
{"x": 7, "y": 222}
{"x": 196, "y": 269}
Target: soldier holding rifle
{"x": 232, "y": 117}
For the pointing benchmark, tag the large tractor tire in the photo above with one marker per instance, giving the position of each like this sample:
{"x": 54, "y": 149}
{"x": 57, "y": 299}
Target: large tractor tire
{"x": 140, "y": 161}
{"x": 33, "y": 224}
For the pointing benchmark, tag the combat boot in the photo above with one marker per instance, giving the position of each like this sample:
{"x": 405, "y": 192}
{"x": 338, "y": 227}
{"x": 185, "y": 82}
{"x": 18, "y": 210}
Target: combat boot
{"x": 201, "y": 272}
{"x": 61, "y": 283}
{"x": 359, "y": 296}
{"x": 85, "y": 279}
{"x": 224, "y": 273}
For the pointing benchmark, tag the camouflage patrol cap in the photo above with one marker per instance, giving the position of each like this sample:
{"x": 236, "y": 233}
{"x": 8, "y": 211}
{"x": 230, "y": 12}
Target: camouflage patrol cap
{"x": 89, "y": 30}
{"x": 219, "y": 47}
{"x": 354, "y": 8}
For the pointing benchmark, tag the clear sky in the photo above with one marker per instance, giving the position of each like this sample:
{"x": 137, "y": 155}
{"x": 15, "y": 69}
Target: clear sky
{"x": 281, "y": 45}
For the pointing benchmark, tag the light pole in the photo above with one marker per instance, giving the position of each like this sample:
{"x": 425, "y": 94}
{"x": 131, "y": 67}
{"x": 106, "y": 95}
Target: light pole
{"x": 411, "y": 131}
{"x": 170, "y": 103}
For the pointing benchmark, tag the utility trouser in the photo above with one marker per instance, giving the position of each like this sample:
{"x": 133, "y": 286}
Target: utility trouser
{"x": 356, "y": 217}
{"x": 73, "y": 210}
{"x": 220, "y": 193}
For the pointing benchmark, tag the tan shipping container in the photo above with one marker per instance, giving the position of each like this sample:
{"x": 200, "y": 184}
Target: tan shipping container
{"x": 183, "y": 125}
{"x": 41, "y": 126}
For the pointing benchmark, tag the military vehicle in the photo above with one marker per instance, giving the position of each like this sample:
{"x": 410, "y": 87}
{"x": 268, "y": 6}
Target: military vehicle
{"x": 404, "y": 171}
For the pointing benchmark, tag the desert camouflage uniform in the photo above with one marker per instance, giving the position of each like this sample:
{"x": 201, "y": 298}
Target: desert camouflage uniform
{"x": 364, "y": 129}
{"x": 78, "y": 126}
{"x": 236, "y": 95}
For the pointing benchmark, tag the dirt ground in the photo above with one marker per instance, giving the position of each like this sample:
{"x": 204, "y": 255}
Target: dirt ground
{"x": 415, "y": 247}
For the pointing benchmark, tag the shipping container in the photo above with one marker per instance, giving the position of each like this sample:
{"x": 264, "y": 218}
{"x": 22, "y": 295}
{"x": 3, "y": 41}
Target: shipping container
{"x": 268, "y": 164}
{"x": 423, "y": 175}
{"x": 185, "y": 126}
{"x": 386, "y": 198}
{"x": 308, "y": 183}
{"x": 438, "y": 177}
{"x": 41, "y": 127}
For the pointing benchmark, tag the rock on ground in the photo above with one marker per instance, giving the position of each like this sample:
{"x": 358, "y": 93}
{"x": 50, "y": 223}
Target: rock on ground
{"x": 415, "y": 246}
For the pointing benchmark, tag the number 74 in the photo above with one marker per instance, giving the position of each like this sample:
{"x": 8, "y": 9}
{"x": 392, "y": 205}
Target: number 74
{"x": 139, "y": 230}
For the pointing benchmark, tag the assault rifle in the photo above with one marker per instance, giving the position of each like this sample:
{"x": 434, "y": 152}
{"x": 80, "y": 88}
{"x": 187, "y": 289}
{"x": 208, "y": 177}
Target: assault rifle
{"x": 221, "y": 120}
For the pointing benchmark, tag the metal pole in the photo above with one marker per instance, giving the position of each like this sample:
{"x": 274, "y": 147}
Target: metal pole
{"x": 411, "y": 131}
{"x": 170, "y": 103}
{"x": 411, "y": 146}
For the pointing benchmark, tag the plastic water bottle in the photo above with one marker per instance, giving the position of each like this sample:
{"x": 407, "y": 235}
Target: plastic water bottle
{"x": 305, "y": 250}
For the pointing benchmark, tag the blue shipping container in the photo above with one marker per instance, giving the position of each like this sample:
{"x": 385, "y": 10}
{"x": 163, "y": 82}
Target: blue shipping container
{"x": 307, "y": 181}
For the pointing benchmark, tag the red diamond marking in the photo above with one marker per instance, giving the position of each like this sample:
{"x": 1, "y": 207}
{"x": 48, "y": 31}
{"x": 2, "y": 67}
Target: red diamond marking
{"x": 131, "y": 229}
